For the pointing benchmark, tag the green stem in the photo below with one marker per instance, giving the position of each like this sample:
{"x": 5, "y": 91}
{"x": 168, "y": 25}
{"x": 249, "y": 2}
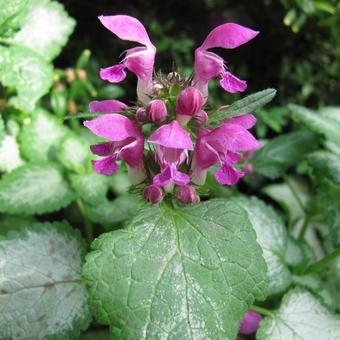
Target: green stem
{"x": 304, "y": 227}
{"x": 297, "y": 197}
{"x": 87, "y": 223}
{"x": 261, "y": 310}
{"x": 318, "y": 266}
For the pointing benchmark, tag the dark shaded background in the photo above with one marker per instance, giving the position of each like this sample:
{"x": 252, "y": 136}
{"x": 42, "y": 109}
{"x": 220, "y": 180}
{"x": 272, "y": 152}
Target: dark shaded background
{"x": 276, "y": 58}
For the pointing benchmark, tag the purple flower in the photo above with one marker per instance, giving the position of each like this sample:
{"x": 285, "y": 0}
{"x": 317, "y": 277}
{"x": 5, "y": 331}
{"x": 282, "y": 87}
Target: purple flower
{"x": 187, "y": 194}
{"x": 126, "y": 142}
{"x": 209, "y": 65}
{"x": 201, "y": 118}
{"x": 250, "y": 322}
{"x": 173, "y": 143}
{"x": 153, "y": 194}
{"x": 222, "y": 146}
{"x": 188, "y": 103}
{"x": 156, "y": 111}
{"x": 139, "y": 60}
{"x": 107, "y": 106}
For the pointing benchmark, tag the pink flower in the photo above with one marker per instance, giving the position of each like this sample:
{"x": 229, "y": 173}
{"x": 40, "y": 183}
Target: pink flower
{"x": 173, "y": 143}
{"x": 222, "y": 146}
{"x": 153, "y": 194}
{"x": 141, "y": 115}
{"x": 201, "y": 118}
{"x": 139, "y": 60}
{"x": 126, "y": 142}
{"x": 156, "y": 111}
{"x": 187, "y": 194}
{"x": 188, "y": 103}
{"x": 107, "y": 106}
{"x": 250, "y": 322}
{"x": 209, "y": 65}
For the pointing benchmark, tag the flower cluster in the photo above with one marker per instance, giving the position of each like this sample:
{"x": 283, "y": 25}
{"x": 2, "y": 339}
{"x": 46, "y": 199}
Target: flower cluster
{"x": 165, "y": 140}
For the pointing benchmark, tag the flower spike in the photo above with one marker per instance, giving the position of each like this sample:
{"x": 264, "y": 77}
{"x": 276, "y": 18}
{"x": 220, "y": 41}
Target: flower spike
{"x": 172, "y": 115}
{"x": 139, "y": 60}
{"x": 209, "y": 65}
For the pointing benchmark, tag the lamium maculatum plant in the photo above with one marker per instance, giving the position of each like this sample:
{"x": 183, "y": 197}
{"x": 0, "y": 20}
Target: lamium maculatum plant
{"x": 182, "y": 269}
{"x": 180, "y": 224}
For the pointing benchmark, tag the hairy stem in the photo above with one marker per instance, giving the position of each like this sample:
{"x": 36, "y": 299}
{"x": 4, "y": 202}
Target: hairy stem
{"x": 87, "y": 223}
{"x": 262, "y": 310}
{"x": 320, "y": 265}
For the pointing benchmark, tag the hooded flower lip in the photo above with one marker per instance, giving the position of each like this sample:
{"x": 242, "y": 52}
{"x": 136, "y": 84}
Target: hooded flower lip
{"x": 139, "y": 60}
{"x": 126, "y": 142}
{"x": 222, "y": 145}
{"x": 107, "y": 106}
{"x": 171, "y": 135}
{"x": 209, "y": 65}
{"x": 173, "y": 143}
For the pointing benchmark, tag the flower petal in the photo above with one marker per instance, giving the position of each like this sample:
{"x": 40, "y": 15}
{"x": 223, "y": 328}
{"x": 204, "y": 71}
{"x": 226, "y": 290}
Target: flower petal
{"x": 126, "y": 28}
{"x": 171, "y": 174}
{"x": 172, "y": 135}
{"x": 114, "y": 127}
{"x": 105, "y": 166}
{"x": 102, "y": 149}
{"x": 228, "y": 175}
{"x": 247, "y": 121}
{"x": 208, "y": 65}
{"x": 113, "y": 74}
{"x": 232, "y": 84}
{"x": 107, "y": 106}
{"x": 132, "y": 153}
{"x": 232, "y": 137}
{"x": 229, "y": 35}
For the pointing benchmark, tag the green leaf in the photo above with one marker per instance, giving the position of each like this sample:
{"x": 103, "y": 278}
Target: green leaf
{"x": 272, "y": 237}
{"x": 34, "y": 189}
{"x": 316, "y": 286}
{"x": 27, "y": 72}
{"x": 321, "y": 124}
{"x": 325, "y": 165}
{"x": 292, "y": 195}
{"x": 326, "y": 173}
{"x": 45, "y": 28}
{"x": 41, "y": 292}
{"x": 282, "y": 152}
{"x": 74, "y": 153}
{"x": 91, "y": 187}
{"x": 300, "y": 316}
{"x": 295, "y": 255}
{"x": 242, "y": 106}
{"x": 2, "y": 130}
{"x": 331, "y": 112}
{"x": 329, "y": 200}
{"x": 10, "y": 14}
{"x": 184, "y": 273}
{"x": 113, "y": 213}
{"x": 41, "y": 136}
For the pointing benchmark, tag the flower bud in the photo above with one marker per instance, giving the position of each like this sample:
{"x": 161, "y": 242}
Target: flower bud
{"x": 187, "y": 194}
{"x": 188, "y": 103}
{"x": 248, "y": 169}
{"x": 141, "y": 115}
{"x": 156, "y": 111}
{"x": 157, "y": 88}
{"x": 201, "y": 118}
{"x": 250, "y": 322}
{"x": 153, "y": 194}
